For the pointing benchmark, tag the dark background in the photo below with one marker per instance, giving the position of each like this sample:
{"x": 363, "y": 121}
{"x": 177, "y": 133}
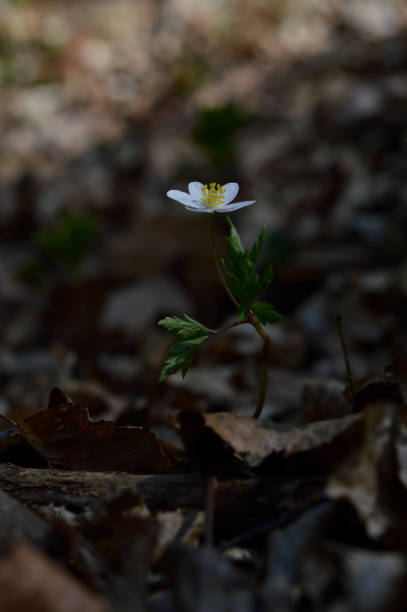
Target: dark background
{"x": 107, "y": 105}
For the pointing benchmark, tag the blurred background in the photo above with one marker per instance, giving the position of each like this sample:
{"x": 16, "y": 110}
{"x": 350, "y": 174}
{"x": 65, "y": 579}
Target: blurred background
{"x": 107, "y": 104}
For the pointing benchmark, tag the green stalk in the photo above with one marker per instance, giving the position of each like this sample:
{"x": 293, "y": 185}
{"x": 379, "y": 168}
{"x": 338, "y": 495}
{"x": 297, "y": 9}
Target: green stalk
{"x": 253, "y": 320}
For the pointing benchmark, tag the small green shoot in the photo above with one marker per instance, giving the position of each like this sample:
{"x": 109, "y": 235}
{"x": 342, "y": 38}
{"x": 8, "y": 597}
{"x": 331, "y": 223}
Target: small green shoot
{"x": 69, "y": 241}
{"x": 192, "y": 335}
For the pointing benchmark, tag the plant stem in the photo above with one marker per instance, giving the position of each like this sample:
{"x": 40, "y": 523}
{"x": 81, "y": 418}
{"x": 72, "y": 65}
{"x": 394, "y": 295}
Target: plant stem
{"x": 264, "y": 363}
{"x": 217, "y": 260}
{"x": 349, "y": 375}
{"x": 227, "y": 327}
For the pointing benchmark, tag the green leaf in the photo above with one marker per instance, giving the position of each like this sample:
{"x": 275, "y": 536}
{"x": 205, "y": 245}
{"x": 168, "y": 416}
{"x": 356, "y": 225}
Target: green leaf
{"x": 266, "y": 313}
{"x": 181, "y": 356}
{"x": 243, "y": 312}
{"x": 242, "y": 280}
{"x": 192, "y": 334}
{"x": 216, "y": 130}
{"x": 266, "y": 277}
{"x": 244, "y": 283}
{"x": 70, "y": 241}
{"x": 186, "y": 328}
{"x": 258, "y": 245}
{"x": 233, "y": 240}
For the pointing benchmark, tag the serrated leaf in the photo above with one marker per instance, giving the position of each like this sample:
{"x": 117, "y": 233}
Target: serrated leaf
{"x": 257, "y": 246}
{"x": 266, "y": 278}
{"x": 186, "y": 328}
{"x": 235, "y": 287}
{"x": 243, "y": 312}
{"x": 234, "y": 239}
{"x": 181, "y": 356}
{"x": 244, "y": 283}
{"x": 265, "y": 313}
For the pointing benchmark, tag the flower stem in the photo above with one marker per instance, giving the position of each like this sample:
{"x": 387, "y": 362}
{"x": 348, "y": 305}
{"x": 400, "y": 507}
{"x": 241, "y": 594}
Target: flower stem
{"x": 217, "y": 261}
{"x": 264, "y": 363}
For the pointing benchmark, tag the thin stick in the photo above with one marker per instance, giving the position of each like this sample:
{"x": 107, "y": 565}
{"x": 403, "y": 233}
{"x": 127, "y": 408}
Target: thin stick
{"x": 349, "y": 375}
{"x": 10, "y": 421}
{"x": 277, "y": 523}
{"x": 217, "y": 260}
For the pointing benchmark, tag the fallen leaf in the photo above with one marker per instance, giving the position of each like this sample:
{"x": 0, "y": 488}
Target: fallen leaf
{"x": 323, "y": 399}
{"x": 31, "y": 581}
{"x": 122, "y": 531}
{"x": 178, "y": 526}
{"x": 66, "y": 436}
{"x": 18, "y": 522}
{"x": 373, "y": 474}
{"x": 253, "y": 442}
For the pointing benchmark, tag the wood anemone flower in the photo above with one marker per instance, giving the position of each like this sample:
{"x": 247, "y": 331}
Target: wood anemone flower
{"x": 209, "y": 199}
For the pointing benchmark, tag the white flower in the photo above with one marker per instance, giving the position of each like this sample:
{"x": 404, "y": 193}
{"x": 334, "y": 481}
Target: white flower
{"x": 214, "y": 198}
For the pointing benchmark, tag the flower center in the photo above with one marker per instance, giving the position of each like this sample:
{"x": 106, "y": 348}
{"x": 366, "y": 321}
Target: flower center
{"x": 213, "y": 195}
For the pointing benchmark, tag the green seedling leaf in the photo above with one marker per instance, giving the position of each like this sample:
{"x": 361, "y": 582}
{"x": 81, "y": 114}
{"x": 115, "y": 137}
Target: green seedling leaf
{"x": 69, "y": 241}
{"x": 266, "y": 277}
{"x": 265, "y": 313}
{"x": 186, "y": 328}
{"x": 244, "y": 283}
{"x": 257, "y": 247}
{"x": 233, "y": 240}
{"x": 216, "y": 130}
{"x": 192, "y": 334}
{"x": 242, "y": 313}
{"x": 181, "y": 356}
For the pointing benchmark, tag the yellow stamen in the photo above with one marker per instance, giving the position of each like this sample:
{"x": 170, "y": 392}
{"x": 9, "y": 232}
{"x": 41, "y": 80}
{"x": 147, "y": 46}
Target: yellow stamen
{"x": 213, "y": 196}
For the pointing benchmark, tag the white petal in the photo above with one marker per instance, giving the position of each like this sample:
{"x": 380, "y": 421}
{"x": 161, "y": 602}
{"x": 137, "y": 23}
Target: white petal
{"x": 226, "y": 208}
{"x": 184, "y": 198}
{"x": 204, "y": 209}
{"x": 195, "y": 189}
{"x": 231, "y": 190}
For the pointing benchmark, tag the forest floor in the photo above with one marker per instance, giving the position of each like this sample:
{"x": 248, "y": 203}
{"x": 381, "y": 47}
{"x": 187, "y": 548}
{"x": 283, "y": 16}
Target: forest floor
{"x": 121, "y": 493}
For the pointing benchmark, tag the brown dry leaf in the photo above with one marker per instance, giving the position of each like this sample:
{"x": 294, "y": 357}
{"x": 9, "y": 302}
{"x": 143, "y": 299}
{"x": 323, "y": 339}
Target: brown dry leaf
{"x": 178, "y": 525}
{"x": 323, "y": 399}
{"x": 19, "y": 522}
{"x": 251, "y": 441}
{"x": 66, "y": 436}
{"x": 31, "y": 581}
{"x": 123, "y": 531}
{"x": 373, "y": 475}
